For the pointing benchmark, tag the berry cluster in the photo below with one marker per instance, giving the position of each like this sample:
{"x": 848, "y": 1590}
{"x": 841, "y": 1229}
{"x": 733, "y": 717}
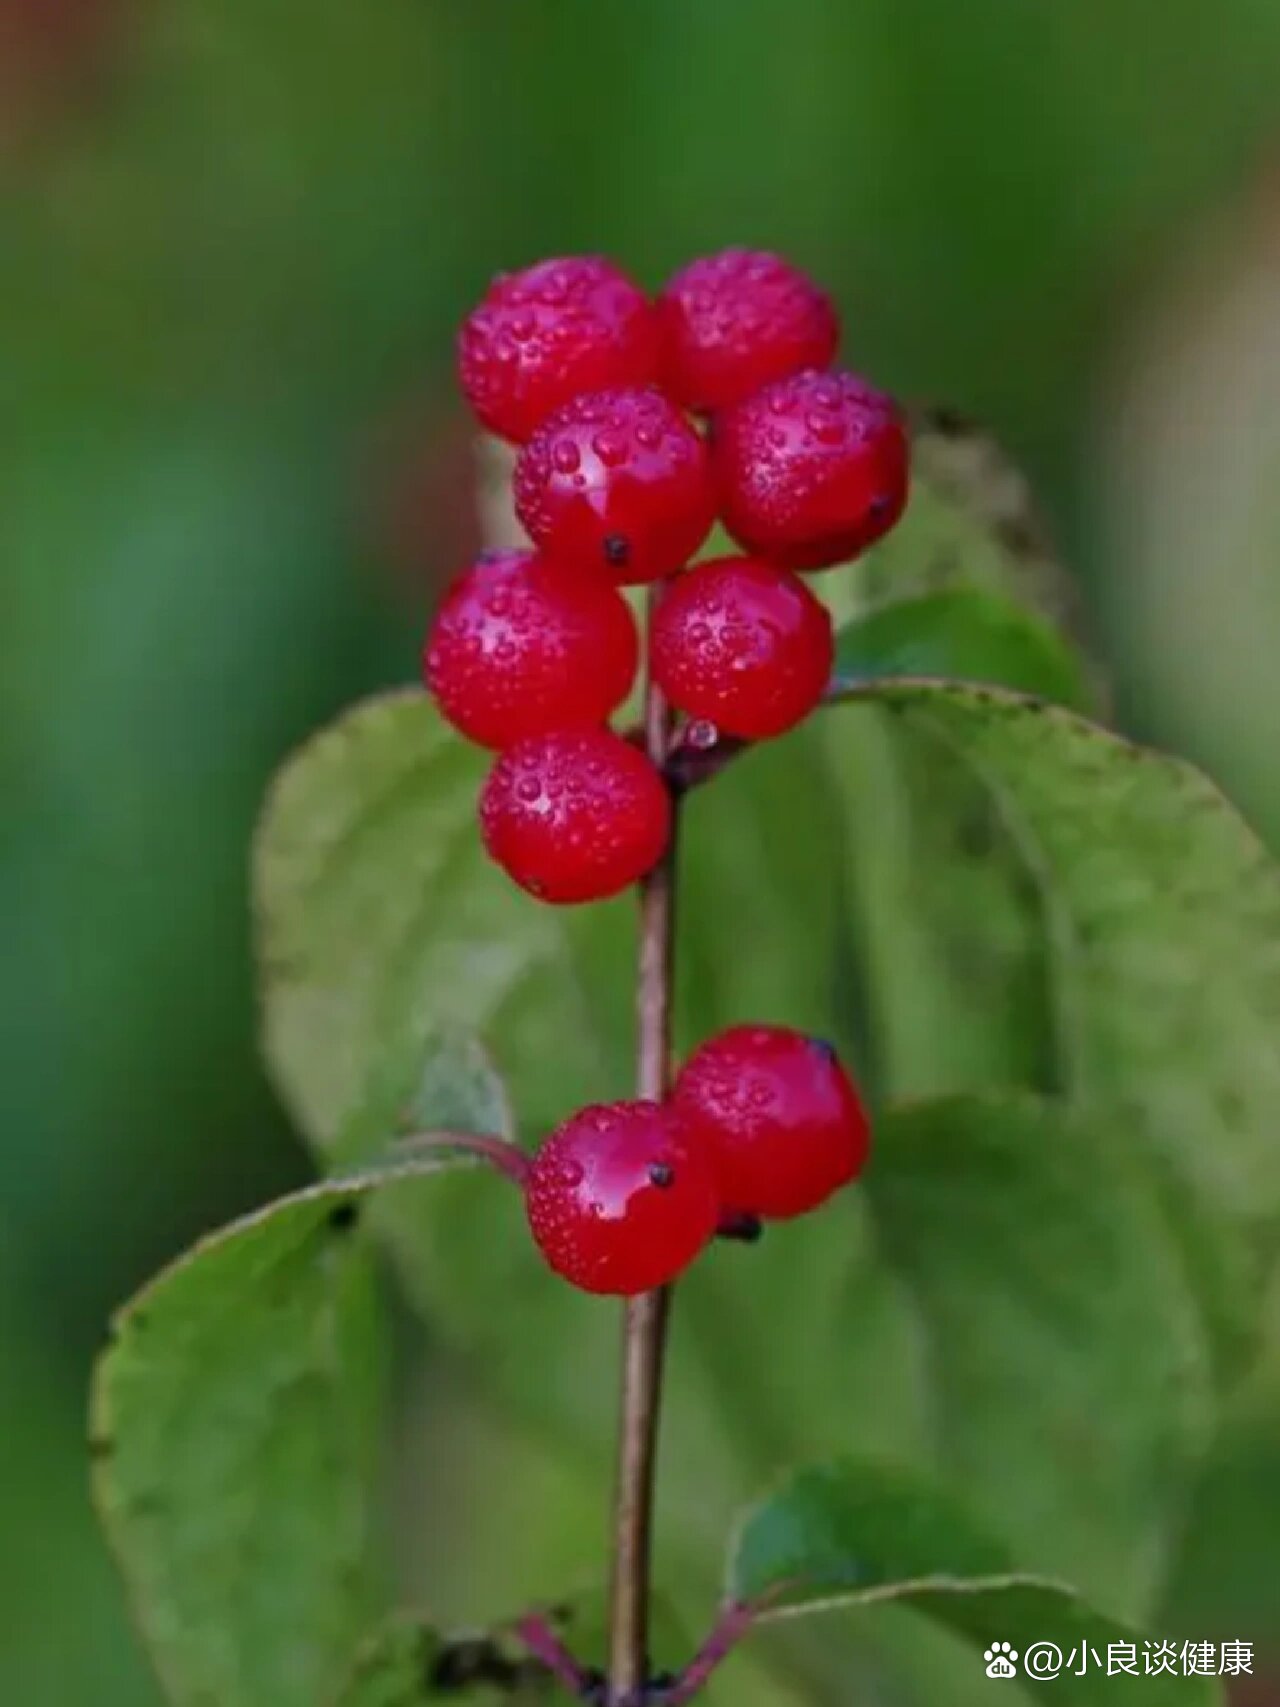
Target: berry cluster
{"x": 762, "y": 1123}
{"x": 533, "y": 651}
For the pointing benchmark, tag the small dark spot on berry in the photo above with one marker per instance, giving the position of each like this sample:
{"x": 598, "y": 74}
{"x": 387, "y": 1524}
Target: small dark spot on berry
{"x": 343, "y": 1216}
{"x": 827, "y": 1050}
{"x": 661, "y": 1174}
{"x": 881, "y": 504}
{"x": 617, "y": 550}
{"x": 741, "y": 1228}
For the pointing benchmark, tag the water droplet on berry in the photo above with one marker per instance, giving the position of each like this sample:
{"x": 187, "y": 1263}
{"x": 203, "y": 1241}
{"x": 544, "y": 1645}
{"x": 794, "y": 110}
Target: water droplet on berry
{"x": 827, "y": 429}
{"x": 610, "y": 447}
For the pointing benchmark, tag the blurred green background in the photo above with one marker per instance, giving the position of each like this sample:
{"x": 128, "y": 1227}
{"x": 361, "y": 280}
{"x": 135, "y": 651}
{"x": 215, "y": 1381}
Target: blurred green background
{"x": 235, "y": 238}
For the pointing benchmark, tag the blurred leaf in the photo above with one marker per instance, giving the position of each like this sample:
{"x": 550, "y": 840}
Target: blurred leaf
{"x": 967, "y": 586}
{"x": 946, "y": 922}
{"x": 854, "y": 1534}
{"x": 1220, "y": 1578}
{"x": 234, "y": 1424}
{"x": 1072, "y": 1410}
{"x": 1146, "y": 891}
{"x": 1160, "y": 912}
{"x": 966, "y": 635}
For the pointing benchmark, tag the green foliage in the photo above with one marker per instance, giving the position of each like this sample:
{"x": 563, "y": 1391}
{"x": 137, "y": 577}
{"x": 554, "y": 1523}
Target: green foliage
{"x": 850, "y": 1535}
{"x": 967, "y": 635}
{"x": 235, "y": 1422}
{"x": 1008, "y": 916}
{"x": 393, "y": 1669}
{"x": 1070, "y": 1410}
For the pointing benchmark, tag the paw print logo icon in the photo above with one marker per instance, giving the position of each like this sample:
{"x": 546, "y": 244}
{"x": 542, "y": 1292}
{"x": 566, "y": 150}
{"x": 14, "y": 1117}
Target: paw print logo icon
{"x": 1002, "y": 1660}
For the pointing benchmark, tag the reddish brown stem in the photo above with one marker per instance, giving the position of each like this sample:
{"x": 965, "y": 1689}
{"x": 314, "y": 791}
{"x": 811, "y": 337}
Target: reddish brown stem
{"x": 691, "y": 763}
{"x": 537, "y": 1634}
{"x": 644, "y": 1340}
{"x": 507, "y": 1158}
{"x": 735, "y": 1620}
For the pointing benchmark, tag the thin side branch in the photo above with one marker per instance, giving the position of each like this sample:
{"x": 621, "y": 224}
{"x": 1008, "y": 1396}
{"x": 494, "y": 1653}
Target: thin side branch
{"x": 538, "y": 1635}
{"x": 644, "y": 1342}
{"x": 507, "y": 1158}
{"x": 735, "y": 1621}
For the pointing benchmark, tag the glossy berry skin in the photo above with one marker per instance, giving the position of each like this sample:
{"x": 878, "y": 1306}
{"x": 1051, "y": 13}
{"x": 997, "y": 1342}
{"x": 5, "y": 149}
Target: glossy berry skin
{"x": 617, "y": 1201}
{"x": 575, "y": 815}
{"x": 523, "y": 646}
{"x": 541, "y": 336}
{"x": 733, "y": 322}
{"x": 811, "y": 470}
{"x": 743, "y": 645}
{"x": 779, "y": 1116}
{"x": 617, "y": 482}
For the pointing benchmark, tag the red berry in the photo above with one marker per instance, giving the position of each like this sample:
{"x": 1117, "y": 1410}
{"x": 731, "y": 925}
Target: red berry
{"x": 617, "y": 480}
{"x": 523, "y": 646}
{"x": 543, "y": 335}
{"x": 811, "y": 469}
{"x": 575, "y": 815}
{"x": 779, "y": 1115}
{"x": 734, "y": 321}
{"x": 742, "y": 644}
{"x": 617, "y": 1201}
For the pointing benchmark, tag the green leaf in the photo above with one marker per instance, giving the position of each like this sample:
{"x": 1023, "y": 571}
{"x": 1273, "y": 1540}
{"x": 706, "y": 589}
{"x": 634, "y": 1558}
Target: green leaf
{"x": 955, "y": 1315}
{"x": 380, "y": 922}
{"x": 1074, "y": 1411}
{"x": 852, "y": 1534}
{"x": 234, "y": 1425}
{"x": 967, "y": 586}
{"x": 393, "y": 1668}
{"x": 389, "y": 942}
{"x": 966, "y": 635}
{"x": 940, "y": 915}
{"x": 1144, "y": 978}
{"x": 1160, "y": 912}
